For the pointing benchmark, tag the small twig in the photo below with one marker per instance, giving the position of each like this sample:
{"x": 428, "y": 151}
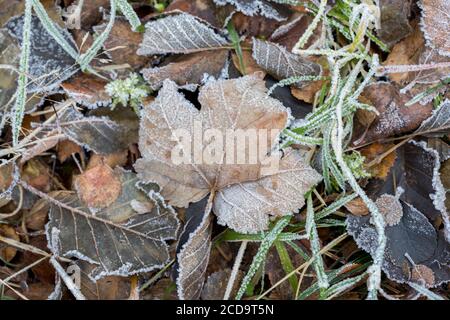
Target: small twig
{"x": 67, "y": 280}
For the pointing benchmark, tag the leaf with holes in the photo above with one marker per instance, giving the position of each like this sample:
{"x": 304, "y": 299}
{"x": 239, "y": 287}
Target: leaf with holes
{"x": 180, "y": 33}
{"x": 282, "y": 64}
{"x": 118, "y": 240}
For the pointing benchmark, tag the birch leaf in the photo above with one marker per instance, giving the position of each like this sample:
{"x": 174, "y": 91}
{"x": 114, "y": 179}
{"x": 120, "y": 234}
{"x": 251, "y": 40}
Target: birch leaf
{"x": 282, "y": 64}
{"x": 435, "y": 24}
{"x": 99, "y": 134}
{"x": 118, "y": 240}
{"x": 439, "y": 122}
{"x": 181, "y": 33}
{"x": 257, "y": 7}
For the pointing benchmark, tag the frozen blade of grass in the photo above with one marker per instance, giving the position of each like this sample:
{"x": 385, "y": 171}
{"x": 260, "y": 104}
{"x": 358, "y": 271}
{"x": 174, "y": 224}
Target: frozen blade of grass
{"x": 236, "y": 42}
{"x": 311, "y": 230}
{"x": 342, "y": 286}
{"x": 286, "y": 263}
{"x": 19, "y": 105}
{"x": 425, "y": 292}
{"x": 301, "y": 139}
{"x": 51, "y": 28}
{"x": 86, "y": 58}
{"x": 259, "y": 258}
{"x": 335, "y": 206}
{"x": 292, "y": 80}
{"x": 309, "y": 31}
{"x": 428, "y": 92}
{"x": 337, "y": 143}
{"x": 130, "y": 14}
{"x": 235, "y": 270}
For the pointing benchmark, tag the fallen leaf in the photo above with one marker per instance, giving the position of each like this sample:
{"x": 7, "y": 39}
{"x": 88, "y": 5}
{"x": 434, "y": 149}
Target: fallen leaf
{"x": 188, "y": 69}
{"x": 257, "y": 7}
{"x": 238, "y": 103}
{"x": 98, "y": 187}
{"x": 357, "y": 207}
{"x": 203, "y": 9}
{"x": 282, "y": 64}
{"x": 7, "y": 253}
{"x": 100, "y": 134}
{"x": 122, "y": 44}
{"x": 416, "y": 172}
{"x": 181, "y": 33}
{"x": 87, "y": 90}
{"x": 435, "y": 24}
{"x": 193, "y": 251}
{"x": 395, "y": 118}
{"x": 49, "y": 64}
{"x": 394, "y": 20}
{"x": 216, "y": 284}
{"x": 287, "y": 35}
{"x": 375, "y": 151}
{"x": 107, "y": 288}
{"x": 249, "y": 63}
{"x": 66, "y": 148}
{"x": 121, "y": 242}
{"x": 438, "y": 124}
{"x": 118, "y": 159}
{"x": 413, "y": 240}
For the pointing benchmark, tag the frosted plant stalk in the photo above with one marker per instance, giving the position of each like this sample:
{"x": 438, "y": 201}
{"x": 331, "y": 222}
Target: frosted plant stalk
{"x": 19, "y": 106}
{"x": 129, "y": 13}
{"x": 309, "y": 31}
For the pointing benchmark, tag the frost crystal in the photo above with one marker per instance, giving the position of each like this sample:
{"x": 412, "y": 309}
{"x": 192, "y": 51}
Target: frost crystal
{"x": 255, "y": 7}
{"x": 391, "y": 209}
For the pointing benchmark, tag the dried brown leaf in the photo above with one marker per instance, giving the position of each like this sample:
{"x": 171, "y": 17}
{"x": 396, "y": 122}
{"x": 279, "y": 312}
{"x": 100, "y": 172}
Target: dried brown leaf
{"x": 435, "y": 24}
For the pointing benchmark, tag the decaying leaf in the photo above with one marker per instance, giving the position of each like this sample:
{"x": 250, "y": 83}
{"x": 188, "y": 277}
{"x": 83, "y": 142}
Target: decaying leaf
{"x": 435, "y": 17}
{"x": 188, "y": 70}
{"x": 438, "y": 123}
{"x": 394, "y": 20}
{"x": 416, "y": 171}
{"x": 107, "y": 288}
{"x": 49, "y": 64}
{"x": 216, "y": 284}
{"x": 117, "y": 239}
{"x": 181, "y": 33}
{"x": 193, "y": 251}
{"x": 395, "y": 117}
{"x": 122, "y": 44}
{"x": 411, "y": 242}
{"x": 282, "y": 64}
{"x": 87, "y": 90}
{"x": 7, "y": 253}
{"x": 375, "y": 151}
{"x": 257, "y": 7}
{"x": 98, "y": 187}
{"x": 99, "y": 134}
{"x": 246, "y": 206}
{"x": 391, "y": 209}
{"x": 226, "y": 104}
